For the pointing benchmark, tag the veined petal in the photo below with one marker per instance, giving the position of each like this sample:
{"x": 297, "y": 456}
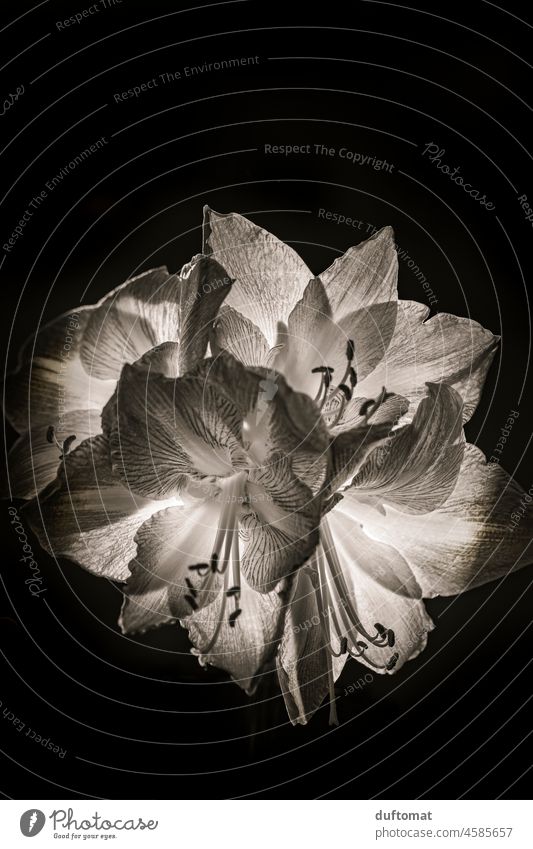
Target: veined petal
{"x": 34, "y": 459}
{"x": 163, "y": 431}
{"x": 289, "y": 422}
{"x": 245, "y": 649}
{"x": 269, "y": 276}
{"x": 418, "y": 468}
{"x": 204, "y": 286}
{"x": 365, "y": 275}
{"x": 445, "y": 349}
{"x": 304, "y": 661}
{"x": 281, "y": 527}
{"x": 240, "y": 337}
{"x": 350, "y": 449}
{"x": 162, "y": 587}
{"x": 87, "y": 515}
{"x": 153, "y": 308}
{"x": 50, "y": 380}
{"x": 481, "y": 532}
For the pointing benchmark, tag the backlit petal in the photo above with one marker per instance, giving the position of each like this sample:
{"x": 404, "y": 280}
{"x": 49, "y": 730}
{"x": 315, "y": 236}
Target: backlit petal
{"x": 87, "y": 515}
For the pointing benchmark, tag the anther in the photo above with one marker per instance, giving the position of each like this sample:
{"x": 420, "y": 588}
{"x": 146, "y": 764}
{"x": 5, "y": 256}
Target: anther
{"x": 53, "y": 440}
{"x": 233, "y": 591}
{"x": 350, "y": 350}
{"x": 380, "y": 629}
{"x": 214, "y": 562}
{"x": 353, "y": 377}
{"x": 192, "y": 601}
{"x": 233, "y": 617}
{"x": 364, "y": 408}
{"x": 65, "y": 448}
{"x": 392, "y": 662}
{"x": 391, "y": 639}
{"x": 345, "y": 391}
{"x": 201, "y": 568}
{"x": 362, "y": 646}
{"x": 191, "y": 587}
{"x": 343, "y": 646}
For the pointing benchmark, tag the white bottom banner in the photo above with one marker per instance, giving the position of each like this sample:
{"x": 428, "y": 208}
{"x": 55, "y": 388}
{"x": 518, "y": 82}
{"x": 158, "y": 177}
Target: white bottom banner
{"x": 233, "y": 824}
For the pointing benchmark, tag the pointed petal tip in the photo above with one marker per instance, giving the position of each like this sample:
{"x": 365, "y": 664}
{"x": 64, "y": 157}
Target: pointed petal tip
{"x": 385, "y": 236}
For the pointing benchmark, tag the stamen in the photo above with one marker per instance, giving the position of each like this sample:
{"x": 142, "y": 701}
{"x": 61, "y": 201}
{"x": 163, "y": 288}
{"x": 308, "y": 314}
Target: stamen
{"x": 65, "y": 448}
{"x": 191, "y": 588}
{"x": 350, "y": 350}
{"x": 364, "y": 408}
{"x": 325, "y": 383}
{"x": 392, "y": 662}
{"x": 342, "y": 387}
{"x": 226, "y": 558}
{"x": 340, "y": 596}
{"x": 201, "y": 568}
{"x": 52, "y": 439}
{"x": 233, "y": 617}
{"x": 372, "y": 406}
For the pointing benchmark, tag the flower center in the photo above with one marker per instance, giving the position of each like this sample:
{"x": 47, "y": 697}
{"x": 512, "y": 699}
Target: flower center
{"x": 342, "y": 391}
{"x": 225, "y": 559}
{"x": 339, "y": 617}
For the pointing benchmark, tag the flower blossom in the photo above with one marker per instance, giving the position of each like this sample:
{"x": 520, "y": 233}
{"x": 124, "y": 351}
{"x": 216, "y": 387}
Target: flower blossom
{"x": 273, "y": 459}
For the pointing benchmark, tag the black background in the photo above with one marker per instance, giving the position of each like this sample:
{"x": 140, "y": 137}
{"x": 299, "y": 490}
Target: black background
{"x": 137, "y": 717}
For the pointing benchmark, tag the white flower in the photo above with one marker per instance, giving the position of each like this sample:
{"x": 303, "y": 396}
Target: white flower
{"x": 285, "y": 474}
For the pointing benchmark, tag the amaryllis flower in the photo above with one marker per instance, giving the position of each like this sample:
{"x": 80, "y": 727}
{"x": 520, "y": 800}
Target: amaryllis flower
{"x": 284, "y": 473}
{"x": 410, "y": 510}
{"x": 69, "y": 369}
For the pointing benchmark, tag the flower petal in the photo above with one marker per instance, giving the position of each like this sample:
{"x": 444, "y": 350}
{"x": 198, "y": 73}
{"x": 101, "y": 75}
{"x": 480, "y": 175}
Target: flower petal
{"x": 50, "y": 379}
{"x": 269, "y": 276}
{"x": 152, "y": 308}
{"x": 34, "y": 458}
{"x": 304, "y": 661}
{"x": 445, "y": 349}
{"x": 289, "y": 422}
{"x": 417, "y": 470}
{"x": 481, "y": 533}
{"x": 281, "y": 527}
{"x": 245, "y": 649}
{"x": 365, "y": 275}
{"x": 240, "y": 337}
{"x": 350, "y": 449}
{"x": 87, "y": 515}
{"x": 161, "y": 584}
{"x": 163, "y": 431}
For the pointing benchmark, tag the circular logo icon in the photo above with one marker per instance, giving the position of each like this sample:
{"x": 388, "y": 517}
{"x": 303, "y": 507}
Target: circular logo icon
{"x": 32, "y": 822}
